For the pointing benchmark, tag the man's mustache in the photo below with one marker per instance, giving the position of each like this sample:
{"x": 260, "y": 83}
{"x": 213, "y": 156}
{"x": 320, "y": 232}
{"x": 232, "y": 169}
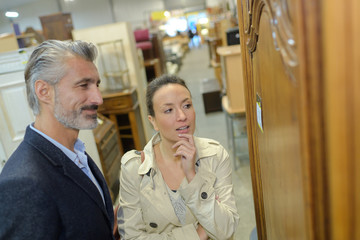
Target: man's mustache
{"x": 90, "y": 107}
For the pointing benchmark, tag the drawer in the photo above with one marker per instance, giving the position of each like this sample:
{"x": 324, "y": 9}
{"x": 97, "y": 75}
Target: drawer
{"x": 118, "y": 103}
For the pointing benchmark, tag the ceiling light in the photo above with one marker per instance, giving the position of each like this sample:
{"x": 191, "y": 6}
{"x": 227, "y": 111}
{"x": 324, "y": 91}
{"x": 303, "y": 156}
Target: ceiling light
{"x": 167, "y": 14}
{"x": 12, "y": 14}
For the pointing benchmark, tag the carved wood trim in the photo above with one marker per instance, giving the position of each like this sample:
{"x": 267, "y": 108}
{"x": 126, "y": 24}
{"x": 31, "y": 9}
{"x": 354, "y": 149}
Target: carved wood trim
{"x": 282, "y": 30}
{"x": 245, "y": 17}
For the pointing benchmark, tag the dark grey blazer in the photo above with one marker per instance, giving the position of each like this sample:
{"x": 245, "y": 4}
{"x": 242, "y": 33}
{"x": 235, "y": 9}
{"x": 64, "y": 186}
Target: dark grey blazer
{"x": 44, "y": 195}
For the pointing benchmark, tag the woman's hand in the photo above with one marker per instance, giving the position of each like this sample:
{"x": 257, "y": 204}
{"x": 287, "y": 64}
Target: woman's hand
{"x": 187, "y": 151}
{"x": 201, "y": 232}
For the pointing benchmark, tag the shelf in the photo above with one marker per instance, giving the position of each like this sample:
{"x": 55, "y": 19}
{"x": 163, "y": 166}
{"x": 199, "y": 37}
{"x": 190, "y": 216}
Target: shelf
{"x": 116, "y": 74}
{"x": 126, "y": 127}
{"x": 126, "y": 136}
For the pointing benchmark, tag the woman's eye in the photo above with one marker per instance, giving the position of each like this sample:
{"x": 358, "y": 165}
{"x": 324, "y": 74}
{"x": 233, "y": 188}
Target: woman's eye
{"x": 187, "y": 106}
{"x": 168, "y": 110}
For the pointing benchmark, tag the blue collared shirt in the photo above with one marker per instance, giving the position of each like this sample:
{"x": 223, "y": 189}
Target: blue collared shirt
{"x": 78, "y": 157}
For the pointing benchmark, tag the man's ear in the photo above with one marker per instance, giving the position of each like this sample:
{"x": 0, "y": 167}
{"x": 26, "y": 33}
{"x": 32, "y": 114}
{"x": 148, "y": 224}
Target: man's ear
{"x": 152, "y": 121}
{"x": 43, "y": 91}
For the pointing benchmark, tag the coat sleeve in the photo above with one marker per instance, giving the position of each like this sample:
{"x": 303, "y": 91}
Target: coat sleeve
{"x": 129, "y": 215}
{"x": 211, "y": 198}
{"x": 26, "y": 212}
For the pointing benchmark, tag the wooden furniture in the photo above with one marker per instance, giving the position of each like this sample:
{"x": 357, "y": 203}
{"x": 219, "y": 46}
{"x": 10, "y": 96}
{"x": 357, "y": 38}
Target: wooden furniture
{"x": 157, "y": 42}
{"x": 110, "y": 153}
{"x": 122, "y": 107}
{"x": 301, "y": 75}
{"x": 124, "y": 31}
{"x": 152, "y": 68}
{"x": 57, "y": 26}
{"x": 114, "y": 64}
{"x": 213, "y": 44}
{"x": 8, "y": 42}
{"x": 232, "y": 75}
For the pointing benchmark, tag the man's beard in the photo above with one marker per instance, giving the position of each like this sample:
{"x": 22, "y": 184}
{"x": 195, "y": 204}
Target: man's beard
{"x": 74, "y": 119}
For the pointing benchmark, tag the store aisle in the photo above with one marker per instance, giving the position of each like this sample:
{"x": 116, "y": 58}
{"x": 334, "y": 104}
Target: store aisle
{"x": 195, "y": 68}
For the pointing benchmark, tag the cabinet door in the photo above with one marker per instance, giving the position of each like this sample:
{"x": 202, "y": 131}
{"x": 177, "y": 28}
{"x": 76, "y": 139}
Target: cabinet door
{"x": 15, "y": 113}
{"x": 2, "y": 156}
{"x": 301, "y": 75}
{"x": 269, "y": 46}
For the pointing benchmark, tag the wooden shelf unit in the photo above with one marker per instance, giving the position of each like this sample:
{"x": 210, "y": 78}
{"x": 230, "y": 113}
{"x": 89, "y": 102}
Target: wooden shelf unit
{"x": 107, "y": 143}
{"x": 122, "y": 107}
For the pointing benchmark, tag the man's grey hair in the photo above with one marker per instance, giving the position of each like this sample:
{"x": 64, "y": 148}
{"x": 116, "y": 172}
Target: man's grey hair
{"x": 48, "y": 63}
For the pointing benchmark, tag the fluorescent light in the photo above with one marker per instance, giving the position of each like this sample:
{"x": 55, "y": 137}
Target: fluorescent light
{"x": 12, "y": 14}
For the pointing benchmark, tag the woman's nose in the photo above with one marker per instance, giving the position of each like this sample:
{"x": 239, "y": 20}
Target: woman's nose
{"x": 181, "y": 115}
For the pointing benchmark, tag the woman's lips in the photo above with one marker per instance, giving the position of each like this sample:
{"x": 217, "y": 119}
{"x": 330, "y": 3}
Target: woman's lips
{"x": 183, "y": 129}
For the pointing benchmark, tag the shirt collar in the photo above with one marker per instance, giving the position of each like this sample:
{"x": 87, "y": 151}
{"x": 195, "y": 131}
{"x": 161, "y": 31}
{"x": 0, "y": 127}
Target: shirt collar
{"x": 78, "y": 157}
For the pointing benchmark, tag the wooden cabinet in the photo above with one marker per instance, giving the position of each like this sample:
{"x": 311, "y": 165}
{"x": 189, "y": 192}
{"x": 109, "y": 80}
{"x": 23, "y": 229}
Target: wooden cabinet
{"x": 152, "y": 68}
{"x": 122, "y": 107}
{"x": 57, "y": 26}
{"x": 301, "y": 75}
{"x": 232, "y": 76}
{"x": 110, "y": 153}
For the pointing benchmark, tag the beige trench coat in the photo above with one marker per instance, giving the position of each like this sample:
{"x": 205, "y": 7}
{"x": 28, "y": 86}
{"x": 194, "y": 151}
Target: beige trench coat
{"x": 146, "y": 211}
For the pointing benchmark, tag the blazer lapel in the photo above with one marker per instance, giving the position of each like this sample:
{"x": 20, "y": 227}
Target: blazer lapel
{"x": 59, "y": 159}
{"x": 101, "y": 180}
{"x": 82, "y": 180}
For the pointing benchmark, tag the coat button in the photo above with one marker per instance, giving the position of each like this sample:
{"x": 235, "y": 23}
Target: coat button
{"x": 153, "y": 225}
{"x": 204, "y": 195}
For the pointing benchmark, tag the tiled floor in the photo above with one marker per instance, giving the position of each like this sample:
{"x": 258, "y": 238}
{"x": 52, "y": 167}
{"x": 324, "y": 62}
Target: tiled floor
{"x": 195, "y": 68}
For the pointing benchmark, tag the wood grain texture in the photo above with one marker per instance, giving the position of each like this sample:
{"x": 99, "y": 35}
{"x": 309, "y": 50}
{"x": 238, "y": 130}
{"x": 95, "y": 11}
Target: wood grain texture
{"x": 302, "y": 58}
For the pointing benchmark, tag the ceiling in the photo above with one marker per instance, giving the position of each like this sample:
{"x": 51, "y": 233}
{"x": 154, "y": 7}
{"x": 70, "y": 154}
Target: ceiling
{"x": 10, "y": 4}
{"x": 169, "y": 4}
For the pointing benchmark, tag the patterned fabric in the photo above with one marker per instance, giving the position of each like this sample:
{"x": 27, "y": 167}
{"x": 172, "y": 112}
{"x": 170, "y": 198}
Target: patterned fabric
{"x": 178, "y": 203}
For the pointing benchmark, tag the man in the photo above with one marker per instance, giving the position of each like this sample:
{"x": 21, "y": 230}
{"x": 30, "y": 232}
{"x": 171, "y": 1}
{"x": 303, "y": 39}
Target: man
{"x": 50, "y": 188}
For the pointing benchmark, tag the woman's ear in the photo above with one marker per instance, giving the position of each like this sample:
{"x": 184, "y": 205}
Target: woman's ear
{"x": 153, "y": 122}
{"x": 43, "y": 91}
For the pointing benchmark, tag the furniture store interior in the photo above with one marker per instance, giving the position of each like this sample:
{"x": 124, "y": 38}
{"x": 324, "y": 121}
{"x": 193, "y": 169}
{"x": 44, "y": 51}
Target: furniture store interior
{"x": 137, "y": 41}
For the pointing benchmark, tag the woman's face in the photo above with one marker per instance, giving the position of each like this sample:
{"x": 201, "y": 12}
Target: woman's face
{"x": 174, "y": 112}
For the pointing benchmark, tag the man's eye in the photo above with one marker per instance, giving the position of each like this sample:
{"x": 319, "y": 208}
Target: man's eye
{"x": 168, "y": 110}
{"x": 84, "y": 85}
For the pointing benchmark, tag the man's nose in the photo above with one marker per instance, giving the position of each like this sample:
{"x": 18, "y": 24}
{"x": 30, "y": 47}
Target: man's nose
{"x": 96, "y": 97}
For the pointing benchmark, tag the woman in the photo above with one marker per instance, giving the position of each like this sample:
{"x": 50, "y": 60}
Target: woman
{"x": 180, "y": 186}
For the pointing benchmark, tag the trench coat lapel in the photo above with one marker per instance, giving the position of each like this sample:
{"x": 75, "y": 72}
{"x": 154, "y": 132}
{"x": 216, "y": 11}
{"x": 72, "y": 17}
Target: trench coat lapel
{"x": 160, "y": 199}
